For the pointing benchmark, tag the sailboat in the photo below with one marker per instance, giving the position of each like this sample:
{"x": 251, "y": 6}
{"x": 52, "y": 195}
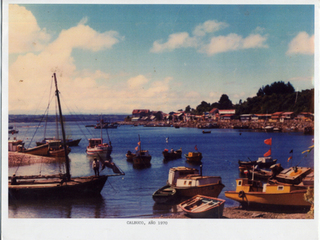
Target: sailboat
{"x": 97, "y": 147}
{"x": 142, "y": 158}
{"x": 59, "y": 185}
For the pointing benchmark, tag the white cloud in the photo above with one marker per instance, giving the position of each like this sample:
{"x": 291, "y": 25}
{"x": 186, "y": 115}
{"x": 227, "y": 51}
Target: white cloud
{"x": 233, "y": 42}
{"x": 176, "y": 40}
{"x": 218, "y": 44}
{"x": 209, "y": 27}
{"x": 24, "y": 34}
{"x": 29, "y": 75}
{"x": 137, "y": 82}
{"x": 302, "y": 44}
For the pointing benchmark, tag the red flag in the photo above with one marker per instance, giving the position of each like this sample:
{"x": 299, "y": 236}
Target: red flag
{"x": 268, "y": 141}
{"x": 137, "y": 148}
{"x": 139, "y": 143}
{"x": 267, "y": 154}
{"x": 196, "y": 148}
{"x": 289, "y": 158}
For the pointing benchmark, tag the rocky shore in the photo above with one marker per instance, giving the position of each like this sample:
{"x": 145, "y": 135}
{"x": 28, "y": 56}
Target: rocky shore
{"x": 287, "y": 126}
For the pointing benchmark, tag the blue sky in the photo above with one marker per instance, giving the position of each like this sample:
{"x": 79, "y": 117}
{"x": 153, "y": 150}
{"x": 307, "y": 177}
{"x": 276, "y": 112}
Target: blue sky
{"x": 116, "y": 58}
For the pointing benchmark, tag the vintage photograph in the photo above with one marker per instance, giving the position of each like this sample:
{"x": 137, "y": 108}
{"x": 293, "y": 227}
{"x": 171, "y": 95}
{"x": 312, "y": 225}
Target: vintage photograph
{"x": 159, "y": 117}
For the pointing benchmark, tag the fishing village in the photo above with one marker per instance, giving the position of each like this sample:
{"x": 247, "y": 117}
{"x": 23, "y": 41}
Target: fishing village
{"x": 178, "y": 121}
{"x": 266, "y": 188}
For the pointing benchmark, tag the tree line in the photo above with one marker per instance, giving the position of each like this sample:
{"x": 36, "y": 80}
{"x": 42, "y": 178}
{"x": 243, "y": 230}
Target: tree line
{"x": 277, "y": 97}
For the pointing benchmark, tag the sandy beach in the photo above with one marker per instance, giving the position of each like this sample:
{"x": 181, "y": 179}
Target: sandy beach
{"x": 239, "y": 213}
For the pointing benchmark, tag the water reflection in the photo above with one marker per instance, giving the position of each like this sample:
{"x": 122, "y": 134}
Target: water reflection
{"x": 88, "y": 207}
{"x": 159, "y": 209}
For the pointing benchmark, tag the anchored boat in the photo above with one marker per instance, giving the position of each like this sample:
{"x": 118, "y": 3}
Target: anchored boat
{"x": 59, "y": 185}
{"x": 286, "y": 189}
{"x": 188, "y": 182}
{"x": 203, "y": 207}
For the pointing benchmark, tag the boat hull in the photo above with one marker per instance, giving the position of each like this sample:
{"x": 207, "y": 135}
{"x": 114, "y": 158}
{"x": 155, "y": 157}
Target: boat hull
{"x": 211, "y": 190}
{"x": 194, "y": 157}
{"x": 39, "y": 150}
{"x": 35, "y": 189}
{"x": 140, "y": 161}
{"x": 165, "y": 195}
{"x": 171, "y": 156}
{"x": 203, "y": 207}
{"x": 291, "y": 199}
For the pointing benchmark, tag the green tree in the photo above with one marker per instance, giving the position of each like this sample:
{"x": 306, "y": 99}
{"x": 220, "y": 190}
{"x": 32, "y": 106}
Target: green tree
{"x": 224, "y": 102}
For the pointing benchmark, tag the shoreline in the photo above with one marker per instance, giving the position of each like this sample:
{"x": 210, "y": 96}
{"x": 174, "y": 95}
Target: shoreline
{"x": 287, "y": 126}
{"x": 239, "y": 213}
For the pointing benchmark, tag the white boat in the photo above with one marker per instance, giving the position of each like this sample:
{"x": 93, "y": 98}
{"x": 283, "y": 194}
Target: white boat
{"x": 203, "y": 207}
{"x": 98, "y": 147}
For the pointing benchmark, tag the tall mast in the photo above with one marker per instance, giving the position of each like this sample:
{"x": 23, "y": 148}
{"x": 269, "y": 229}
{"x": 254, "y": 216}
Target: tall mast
{"x": 62, "y": 128}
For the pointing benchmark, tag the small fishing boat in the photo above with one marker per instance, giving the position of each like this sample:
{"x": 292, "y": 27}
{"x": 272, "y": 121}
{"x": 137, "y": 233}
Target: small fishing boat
{"x": 201, "y": 206}
{"x": 188, "y": 182}
{"x": 97, "y": 146}
{"x": 56, "y": 148}
{"x": 130, "y": 156}
{"x": 203, "y": 131}
{"x": 165, "y": 195}
{"x": 59, "y": 185}
{"x": 142, "y": 158}
{"x": 13, "y": 131}
{"x": 171, "y": 155}
{"x": 262, "y": 162}
{"x": 13, "y": 145}
{"x": 42, "y": 150}
{"x": 252, "y": 193}
{"x": 194, "y": 157}
{"x": 257, "y": 173}
{"x": 69, "y": 142}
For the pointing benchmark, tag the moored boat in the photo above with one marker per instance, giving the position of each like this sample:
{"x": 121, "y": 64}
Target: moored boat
{"x": 56, "y": 148}
{"x": 188, "y": 182}
{"x": 171, "y": 155}
{"x": 59, "y": 185}
{"x": 142, "y": 158}
{"x": 130, "y": 156}
{"x": 69, "y": 142}
{"x": 165, "y": 195}
{"x": 203, "y": 131}
{"x": 201, "y": 206}
{"x": 262, "y": 162}
{"x": 252, "y": 193}
{"x": 97, "y": 146}
{"x": 194, "y": 157}
{"x": 42, "y": 150}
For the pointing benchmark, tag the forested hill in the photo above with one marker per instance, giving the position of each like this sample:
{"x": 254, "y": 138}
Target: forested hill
{"x": 277, "y": 97}
{"x": 291, "y": 102}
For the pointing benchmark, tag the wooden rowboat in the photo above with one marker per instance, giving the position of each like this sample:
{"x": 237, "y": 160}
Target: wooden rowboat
{"x": 203, "y": 207}
{"x": 165, "y": 195}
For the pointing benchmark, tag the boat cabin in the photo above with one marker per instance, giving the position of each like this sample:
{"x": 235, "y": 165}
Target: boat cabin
{"x": 13, "y": 145}
{"x": 293, "y": 175}
{"x": 179, "y": 172}
{"x": 94, "y": 142}
{"x": 248, "y": 185}
{"x": 265, "y": 160}
{"x": 195, "y": 180}
{"x": 54, "y": 144}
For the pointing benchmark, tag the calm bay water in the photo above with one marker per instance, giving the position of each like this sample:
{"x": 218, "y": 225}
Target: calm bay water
{"x": 130, "y": 196}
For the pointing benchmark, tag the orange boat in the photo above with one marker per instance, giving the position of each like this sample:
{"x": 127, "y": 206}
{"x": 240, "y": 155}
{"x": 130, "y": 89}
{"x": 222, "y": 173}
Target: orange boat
{"x": 254, "y": 193}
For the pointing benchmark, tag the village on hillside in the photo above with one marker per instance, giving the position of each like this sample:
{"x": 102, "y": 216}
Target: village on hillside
{"x": 224, "y": 118}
